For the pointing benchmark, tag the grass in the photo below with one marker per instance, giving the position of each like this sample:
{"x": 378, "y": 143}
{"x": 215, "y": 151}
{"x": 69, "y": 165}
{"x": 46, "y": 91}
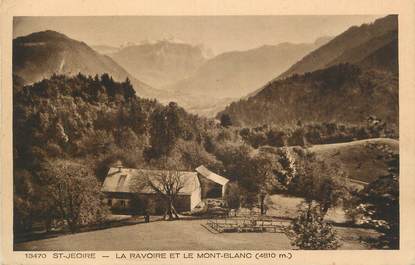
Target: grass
{"x": 283, "y": 206}
{"x": 178, "y": 235}
{"x": 363, "y": 160}
{"x": 160, "y": 235}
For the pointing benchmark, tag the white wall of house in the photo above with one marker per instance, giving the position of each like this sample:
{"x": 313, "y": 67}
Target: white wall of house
{"x": 196, "y": 196}
{"x": 223, "y": 190}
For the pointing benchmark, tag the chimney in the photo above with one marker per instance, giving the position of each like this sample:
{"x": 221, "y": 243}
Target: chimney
{"x": 118, "y": 165}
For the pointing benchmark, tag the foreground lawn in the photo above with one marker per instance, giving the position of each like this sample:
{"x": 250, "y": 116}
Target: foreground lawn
{"x": 174, "y": 235}
{"x": 160, "y": 235}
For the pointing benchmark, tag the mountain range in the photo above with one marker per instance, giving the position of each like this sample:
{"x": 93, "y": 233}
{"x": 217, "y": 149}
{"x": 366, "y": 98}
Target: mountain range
{"x": 160, "y": 63}
{"x": 235, "y": 74}
{"x": 347, "y": 80}
{"x": 166, "y": 70}
{"x": 280, "y": 84}
{"x": 206, "y": 85}
{"x": 231, "y": 75}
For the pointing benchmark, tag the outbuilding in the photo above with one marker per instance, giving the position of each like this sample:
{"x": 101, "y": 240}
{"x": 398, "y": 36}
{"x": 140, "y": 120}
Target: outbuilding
{"x": 212, "y": 185}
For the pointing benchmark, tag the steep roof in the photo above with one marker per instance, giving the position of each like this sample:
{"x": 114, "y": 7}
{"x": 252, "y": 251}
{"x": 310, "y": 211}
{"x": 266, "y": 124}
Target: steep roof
{"x": 202, "y": 170}
{"x": 131, "y": 180}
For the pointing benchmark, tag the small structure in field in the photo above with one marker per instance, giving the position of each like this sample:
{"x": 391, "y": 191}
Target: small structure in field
{"x": 126, "y": 191}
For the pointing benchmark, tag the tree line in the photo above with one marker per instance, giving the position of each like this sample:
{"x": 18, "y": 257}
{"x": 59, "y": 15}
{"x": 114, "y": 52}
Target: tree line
{"x": 316, "y": 133}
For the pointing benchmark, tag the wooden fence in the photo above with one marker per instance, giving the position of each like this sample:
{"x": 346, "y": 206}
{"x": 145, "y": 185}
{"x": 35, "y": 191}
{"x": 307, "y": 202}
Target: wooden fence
{"x": 245, "y": 224}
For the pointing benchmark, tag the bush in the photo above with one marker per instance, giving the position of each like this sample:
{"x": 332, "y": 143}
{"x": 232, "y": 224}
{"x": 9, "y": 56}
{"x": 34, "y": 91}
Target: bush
{"x": 378, "y": 205}
{"x": 225, "y": 120}
{"x": 308, "y": 231}
{"x": 75, "y": 194}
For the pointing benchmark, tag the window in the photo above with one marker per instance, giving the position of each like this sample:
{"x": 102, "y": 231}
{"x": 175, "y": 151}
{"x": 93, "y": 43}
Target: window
{"x": 121, "y": 180}
{"x": 122, "y": 203}
{"x": 109, "y": 202}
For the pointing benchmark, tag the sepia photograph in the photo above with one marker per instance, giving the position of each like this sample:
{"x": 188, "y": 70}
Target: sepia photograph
{"x": 210, "y": 132}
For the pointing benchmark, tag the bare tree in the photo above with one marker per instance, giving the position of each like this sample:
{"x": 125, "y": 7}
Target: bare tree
{"x": 167, "y": 184}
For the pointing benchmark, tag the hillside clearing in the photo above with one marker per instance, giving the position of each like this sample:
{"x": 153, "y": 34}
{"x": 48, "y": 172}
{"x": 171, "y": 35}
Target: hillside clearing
{"x": 363, "y": 160}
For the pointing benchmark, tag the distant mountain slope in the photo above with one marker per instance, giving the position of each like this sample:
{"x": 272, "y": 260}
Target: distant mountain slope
{"x": 41, "y": 54}
{"x": 161, "y": 63}
{"x": 365, "y": 39}
{"x": 342, "y": 93}
{"x": 235, "y": 74}
{"x": 384, "y": 58}
{"x": 357, "y": 78}
{"x": 379, "y": 53}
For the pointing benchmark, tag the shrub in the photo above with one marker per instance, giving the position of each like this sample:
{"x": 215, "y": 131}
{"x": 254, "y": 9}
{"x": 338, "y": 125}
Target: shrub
{"x": 225, "y": 120}
{"x": 378, "y": 204}
{"x": 308, "y": 231}
{"x": 75, "y": 194}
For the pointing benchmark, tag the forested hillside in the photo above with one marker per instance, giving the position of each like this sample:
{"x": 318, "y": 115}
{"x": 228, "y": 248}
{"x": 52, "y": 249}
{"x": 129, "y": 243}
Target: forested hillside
{"x": 84, "y": 124}
{"x": 87, "y": 117}
{"x": 343, "y": 93}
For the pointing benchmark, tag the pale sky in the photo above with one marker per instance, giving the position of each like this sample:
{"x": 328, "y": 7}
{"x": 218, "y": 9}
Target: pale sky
{"x": 219, "y": 33}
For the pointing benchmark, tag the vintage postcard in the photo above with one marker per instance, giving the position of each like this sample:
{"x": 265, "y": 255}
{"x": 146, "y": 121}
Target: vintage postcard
{"x": 198, "y": 132}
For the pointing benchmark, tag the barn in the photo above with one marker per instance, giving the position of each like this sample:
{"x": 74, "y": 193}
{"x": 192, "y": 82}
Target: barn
{"x": 124, "y": 194}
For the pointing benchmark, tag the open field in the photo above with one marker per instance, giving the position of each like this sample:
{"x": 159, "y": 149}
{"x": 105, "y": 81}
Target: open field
{"x": 176, "y": 235}
{"x": 283, "y": 206}
{"x": 363, "y": 160}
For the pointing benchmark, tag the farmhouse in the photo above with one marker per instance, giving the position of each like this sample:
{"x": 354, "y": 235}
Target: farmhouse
{"x": 125, "y": 190}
